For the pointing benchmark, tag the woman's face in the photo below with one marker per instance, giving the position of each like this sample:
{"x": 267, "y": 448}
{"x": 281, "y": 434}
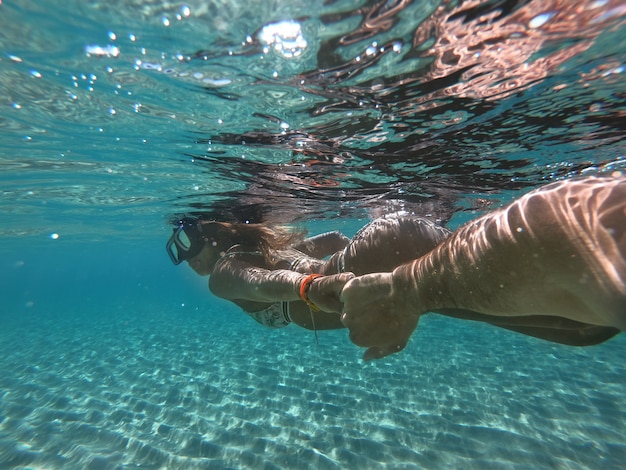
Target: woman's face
{"x": 204, "y": 262}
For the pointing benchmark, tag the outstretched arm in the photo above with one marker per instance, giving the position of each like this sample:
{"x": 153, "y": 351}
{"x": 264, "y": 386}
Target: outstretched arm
{"x": 236, "y": 279}
{"x": 557, "y": 251}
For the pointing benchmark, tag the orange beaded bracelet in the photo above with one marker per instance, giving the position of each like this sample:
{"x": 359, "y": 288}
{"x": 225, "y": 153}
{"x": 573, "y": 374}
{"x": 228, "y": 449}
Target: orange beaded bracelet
{"x": 304, "y": 288}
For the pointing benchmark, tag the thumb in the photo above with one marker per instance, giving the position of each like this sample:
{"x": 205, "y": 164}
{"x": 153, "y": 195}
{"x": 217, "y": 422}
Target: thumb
{"x": 325, "y": 292}
{"x": 351, "y": 281}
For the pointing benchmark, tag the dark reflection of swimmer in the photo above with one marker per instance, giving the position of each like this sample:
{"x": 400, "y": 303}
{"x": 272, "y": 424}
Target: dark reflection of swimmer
{"x": 558, "y": 251}
{"x": 278, "y": 277}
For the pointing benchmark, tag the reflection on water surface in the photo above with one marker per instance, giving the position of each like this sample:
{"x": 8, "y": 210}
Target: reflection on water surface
{"x": 306, "y": 110}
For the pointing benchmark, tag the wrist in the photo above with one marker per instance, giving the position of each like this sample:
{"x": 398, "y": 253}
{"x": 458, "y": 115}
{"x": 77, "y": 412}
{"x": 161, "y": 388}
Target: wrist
{"x": 417, "y": 287}
{"x": 303, "y": 290}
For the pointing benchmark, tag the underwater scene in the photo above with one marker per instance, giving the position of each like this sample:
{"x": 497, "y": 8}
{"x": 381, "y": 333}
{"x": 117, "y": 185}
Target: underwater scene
{"x": 120, "y": 118}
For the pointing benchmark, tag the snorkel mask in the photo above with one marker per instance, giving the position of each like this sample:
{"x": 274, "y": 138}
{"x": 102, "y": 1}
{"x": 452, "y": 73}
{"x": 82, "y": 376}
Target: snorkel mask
{"x": 186, "y": 241}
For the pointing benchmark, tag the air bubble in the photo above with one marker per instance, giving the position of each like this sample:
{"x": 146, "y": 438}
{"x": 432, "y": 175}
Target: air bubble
{"x": 540, "y": 20}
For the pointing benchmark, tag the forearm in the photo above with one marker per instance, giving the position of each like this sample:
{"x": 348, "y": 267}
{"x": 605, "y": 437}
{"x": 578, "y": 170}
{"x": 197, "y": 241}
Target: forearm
{"x": 555, "y": 251}
{"x": 235, "y": 281}
{"x": 422, "y": 285}
{"x": 489, "y": 266}
{"x": 271, "y": 286}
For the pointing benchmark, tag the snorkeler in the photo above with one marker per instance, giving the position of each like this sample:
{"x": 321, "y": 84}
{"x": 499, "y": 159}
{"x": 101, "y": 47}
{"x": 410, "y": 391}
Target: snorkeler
{"x": 278, "y": 277}
{"x": 275, "y": 274}
{"x": 253, "y": 266}
{"x": 559, "y": 251}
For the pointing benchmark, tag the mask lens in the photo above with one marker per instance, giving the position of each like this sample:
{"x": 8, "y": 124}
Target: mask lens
{"x": 173, "y": 251}
{"x": 182, "y": 240}
{"x": 175, "y": 254}
{"x": 182, "y": 245}
{"x": 178, "y": 246}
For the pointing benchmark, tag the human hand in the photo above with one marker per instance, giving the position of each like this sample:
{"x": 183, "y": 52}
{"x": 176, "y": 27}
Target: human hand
{"x": 325, "y": 290}
{"x": 377, "y": 316}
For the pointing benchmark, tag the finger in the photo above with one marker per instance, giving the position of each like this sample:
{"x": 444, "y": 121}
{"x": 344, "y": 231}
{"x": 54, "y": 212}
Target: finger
{"x": 343, "y": 290}
{"x": 374, "y": 353}
{"x": 345, "y": 277}
{"x": 348, "y": 321}
{"x": 340, "y": 283}
{"x": 378, "y": 353}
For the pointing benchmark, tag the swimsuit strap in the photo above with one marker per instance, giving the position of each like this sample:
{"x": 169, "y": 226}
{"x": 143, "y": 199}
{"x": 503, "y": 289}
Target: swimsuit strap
{"x": 295, "y": 263}
{"x": 230, "y": 252}
{"x": 287, "y": 312}
{"x": 341, "y": 261}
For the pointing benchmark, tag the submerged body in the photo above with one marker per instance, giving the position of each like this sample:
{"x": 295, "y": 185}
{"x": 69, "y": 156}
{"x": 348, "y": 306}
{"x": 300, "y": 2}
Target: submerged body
{"x": 520, "y": 268}
{"x": 257, "y": 284}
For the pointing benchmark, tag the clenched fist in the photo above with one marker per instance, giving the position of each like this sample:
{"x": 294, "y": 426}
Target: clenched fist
{"x": 377, "y": 315}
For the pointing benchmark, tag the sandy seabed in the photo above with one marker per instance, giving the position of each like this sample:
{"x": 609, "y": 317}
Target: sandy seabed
{"x": 156, "y": 389}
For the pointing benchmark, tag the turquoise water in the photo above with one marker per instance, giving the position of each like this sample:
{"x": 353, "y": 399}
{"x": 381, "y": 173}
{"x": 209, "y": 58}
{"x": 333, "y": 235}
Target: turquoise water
{"x": 119, "y": 116}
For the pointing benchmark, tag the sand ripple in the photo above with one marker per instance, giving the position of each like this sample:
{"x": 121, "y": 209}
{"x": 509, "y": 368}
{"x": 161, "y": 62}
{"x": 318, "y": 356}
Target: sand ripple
{"x": 165, "y": 392}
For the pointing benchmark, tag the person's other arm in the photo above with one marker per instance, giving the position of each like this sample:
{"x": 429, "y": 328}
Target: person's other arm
{"x": 322, "y": 245}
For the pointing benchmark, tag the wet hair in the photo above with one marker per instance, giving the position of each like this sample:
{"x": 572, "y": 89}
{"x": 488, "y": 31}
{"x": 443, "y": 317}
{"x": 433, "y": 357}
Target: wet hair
{"x": 251, "y": 237}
